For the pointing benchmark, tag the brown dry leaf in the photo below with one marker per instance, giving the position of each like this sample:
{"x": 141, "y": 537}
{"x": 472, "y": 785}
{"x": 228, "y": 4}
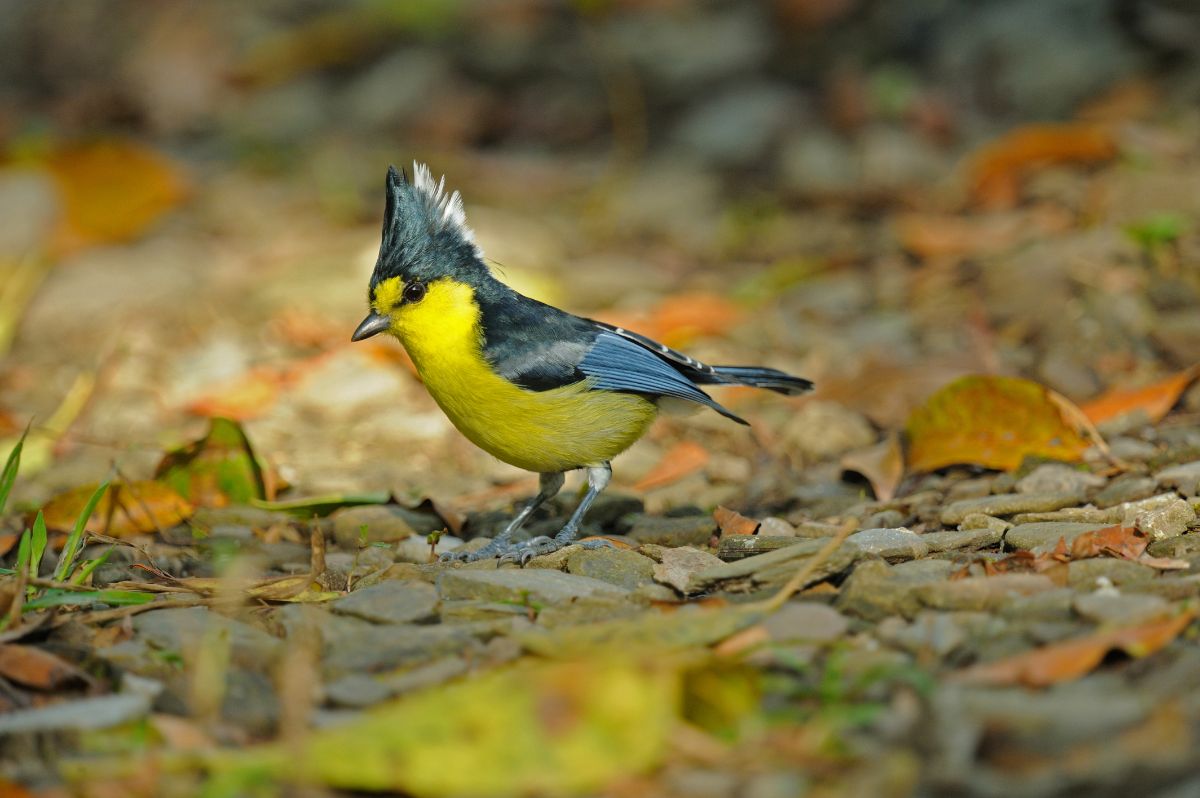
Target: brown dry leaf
{"x": 249, "y": 396}
{"x": 36, "y": 668}
{"x": 681, "y": 460}
{"x": 731, "y": 522}
{"x": 995, "y": 422}
{"x": 112, "y": 191}
{"x": 1155, "y": 400}
{"x": 1060, "y": 662}
{"x": 1124, "y": 542}
{"x": 998, "y": 168}
{"x": 7, "y": 541}
{"x": 881, "y": 464}
{"x": 127, "y": 509}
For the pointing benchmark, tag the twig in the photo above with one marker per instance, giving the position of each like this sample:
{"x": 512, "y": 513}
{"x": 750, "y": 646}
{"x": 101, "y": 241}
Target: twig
{"x": 797, "y": 581}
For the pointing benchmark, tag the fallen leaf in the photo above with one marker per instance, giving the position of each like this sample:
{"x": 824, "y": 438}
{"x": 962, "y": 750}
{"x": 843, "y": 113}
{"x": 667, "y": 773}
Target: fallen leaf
{"x": 249, "y": 396}
{"x": 731, "y": 522}
{"x": 997, "y": 169}
{"x": 36, "y": 668}
{"x": 1124, "y": 542}
{"x": 995, "y": 422}
{"x": 537, "y": 728}
{"x": 681, "y": 460}
{"x": 219, "y": 469}
{"x": 1070, "y": 659}
{"x": 126, "y": 509}
{"x": 112, "y": 191}
{"x": 1155, "y": 400}
{"x": 882, "y": 464}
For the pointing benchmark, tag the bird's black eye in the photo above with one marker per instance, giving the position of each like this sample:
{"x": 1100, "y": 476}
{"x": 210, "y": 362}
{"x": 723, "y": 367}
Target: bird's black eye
{"x": 414, "y": 292}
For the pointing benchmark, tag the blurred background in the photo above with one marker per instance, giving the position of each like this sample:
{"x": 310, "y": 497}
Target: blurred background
{"x": 877, "y": 195}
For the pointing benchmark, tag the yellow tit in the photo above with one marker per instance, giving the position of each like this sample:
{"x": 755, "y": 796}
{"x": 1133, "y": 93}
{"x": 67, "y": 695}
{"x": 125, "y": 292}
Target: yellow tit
{"x": 528, "y": 383}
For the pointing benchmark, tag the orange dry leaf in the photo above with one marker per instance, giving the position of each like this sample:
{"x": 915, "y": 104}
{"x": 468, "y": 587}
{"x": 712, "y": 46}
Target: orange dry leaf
{"x": 1155, "y": 400}
{"x": 997, "y": 169}
{"x": 1071, "y": 659}
{"x": 1124, "y": 542}
{"x": 112, "y": 191}
{"x": 681, "y": 460}
{"x": 731, "y": 522}
{"x": 36, "y": 668}
{"x": 995, "y": 422}
{"x": 249, "y": 396}
{"x": 127, "y": 509}
{"x": 678, "y": 320}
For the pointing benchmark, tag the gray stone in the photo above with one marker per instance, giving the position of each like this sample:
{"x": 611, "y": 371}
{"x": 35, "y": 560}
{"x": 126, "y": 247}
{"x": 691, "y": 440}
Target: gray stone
{"x": 772, "y": 526}
{"x": 1120, "y": 610}
{"x": 776, "y": 567}
{"x": 390, "y": 602}
{"x": 86, "y": 714}
{"x": 805, "y": 621}
{"x": 385, "y": 523}
{"x": 523, "y": 586}
{"x": 890, "y": 544}
{"x": 619, "y": 567}
{"x": 1184, "y": 477}
{"x": 692, "y": 530}
{"x": 676, "y": 567}
{"x": 467, "y": 610}
{"x": 1083, "y": 574}
{"x": 821, "y": 429}
{"x": 970, "y": 539}
{"x": 368, "y": 648}
{"x": 177, "y": 629}
{"x": 208, "y": 519}
{"x": 1051, "y": 605}
{"x": 981, "y": 592}
{"x": 738, "y": 125}
{"x": 362, "y": 690}
{"x": 417, "y": 549}
{"x": 1007, "y": 504}
{"x": 1166, "y": 522}
{"x": 395, "y": 89}
{"x": 1128, "y": 488}
{"x": 1058, "y": 478}
{"x": 1046, "y": 533}
{"x": 875, "y": 590}
{"x": 817, "y": 161}
{"x": 1182, "y": 546}
{"x": 937, "y": 633}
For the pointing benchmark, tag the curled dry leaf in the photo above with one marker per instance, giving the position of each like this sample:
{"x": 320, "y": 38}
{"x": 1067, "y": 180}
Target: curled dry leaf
{"x": 997, "y": 169}
{"x": 1060, "y": 662}
{"x": 1155, "y": 400}
{"x": 881, "y": 464}
{"x": 126, "y": 509}
{"x": 731, "y": 522}
{"x": 33, "y": 667}
{"x": 995, "y": 422}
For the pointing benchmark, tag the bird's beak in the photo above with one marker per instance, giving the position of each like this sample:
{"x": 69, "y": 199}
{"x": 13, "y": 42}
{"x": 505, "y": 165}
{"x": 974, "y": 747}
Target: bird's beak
{"x": 373, "y": 324}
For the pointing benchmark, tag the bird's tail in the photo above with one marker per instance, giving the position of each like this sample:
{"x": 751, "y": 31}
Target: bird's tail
{"x": 757, "y": 377}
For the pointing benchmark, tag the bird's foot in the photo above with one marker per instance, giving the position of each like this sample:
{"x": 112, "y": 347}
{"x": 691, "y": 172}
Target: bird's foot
{"x": 522, "y": 553}
{"x": 493, "y": 549}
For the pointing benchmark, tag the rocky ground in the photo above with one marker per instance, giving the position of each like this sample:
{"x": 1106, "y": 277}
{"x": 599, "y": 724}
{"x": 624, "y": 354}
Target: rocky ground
{"x": 908, "y": 583}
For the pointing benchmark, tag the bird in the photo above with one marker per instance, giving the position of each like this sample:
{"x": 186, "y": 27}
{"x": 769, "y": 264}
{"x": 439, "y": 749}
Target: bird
{"x": 534, "y": 386}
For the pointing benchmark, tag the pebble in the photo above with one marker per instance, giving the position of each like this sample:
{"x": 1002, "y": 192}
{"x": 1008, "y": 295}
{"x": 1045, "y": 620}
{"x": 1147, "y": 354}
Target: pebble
{"x": 1184, "y": 477}
{"x": 981, "y": 592}
{"x": 385, "y": 523}
{"x": 87, "y": 714}
{"x": 175, "y": 629}
{"x": 1007, "y": 504}
{"x": 1166, "y": 522}
{"x": 1050, "y": 605}
{"x": 416, "y": 549}
{"x": 692, "y": 530}
{"x": 971, "y": 539}
{"x": 1182, "y": 546}
{"x": 1046, "y": 533}
{"x": 1120, "y": 610}
{"x": 875, "y": 590}
{"x": 1085, "y": 574}
{"x": 821, "y": 430}
{"x": 521, "y": 586}
{"x": 1127, "y": 488}
{"x": 890, "y": 544}
{"x": 771, "y": 526}
{"x": 937, "y": 633}
{"x": 390, "y": 602}
{"x": 676, "y": 567}
{"x": 619, "y": 567}
{"x": 1058, "y": 478}
{"x": 807, "y": 622}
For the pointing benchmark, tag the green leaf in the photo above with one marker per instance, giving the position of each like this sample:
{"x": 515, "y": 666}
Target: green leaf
{"x": 66, "y": 560}
{"x": 219, "y": 469}
{"x": 9, "y": 475}
{"x": 38, "y": 545}
{"x": 90, "y": 566}
{"x": 59, "y": 598}
{"x": 23, "y": 548}
{"x": 323, "y": 505}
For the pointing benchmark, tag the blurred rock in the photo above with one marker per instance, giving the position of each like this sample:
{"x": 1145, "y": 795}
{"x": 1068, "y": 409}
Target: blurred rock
{"x": 395, "y": 90}
{"x": 390, "y": 602}
{"x": 890, "y": 544}
{"x": 1059, "y": 478}
{"x": 821, "y": 430}
{"x": 739, "y": 126}
{"x": 619, "y": 567}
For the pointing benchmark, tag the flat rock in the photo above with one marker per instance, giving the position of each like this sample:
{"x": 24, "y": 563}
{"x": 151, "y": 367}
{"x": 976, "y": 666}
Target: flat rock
{"x": 776, "y": 567}
{"x": 969, "y": 539}
{"x": 370, "y": 648}
{"x": 540, "y": 586}
{"x": 362, "y": 690}
{"x": 380, "y": 523}
{"x": 1058, "y": 478}
{"x": 1184, "y": 477}
{"x": 677, "y": 566}
{"x": 390, "y": 602}
{"x": 1008, "y": 504}
{"x": 691, "y": 530}
{"x": 1182, "y": 546}
{"x": 1053, "y": 606}
{"x": 1129, "y": 488}
{"x": 1083, "y": 574}
{"x": 805, "y": 622}
{"x": 86, "y": 714}
{"x": 981, "y": 592}
{"x": 890, "y": 544}
{"x": 1169, "y": 521}
{"x": 875, "y": 590}
{"x": 620, "y": 567}
{"x": 175, "y": 629}
{"x": 1120, "y": 609}
{"x": 1046, "y": 533}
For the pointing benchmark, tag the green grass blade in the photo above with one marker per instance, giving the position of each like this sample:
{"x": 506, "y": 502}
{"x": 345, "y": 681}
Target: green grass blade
{"x": 59, "y": 598}
{"x": 90, "y": 566}
{"x": 9, "y": 475}
{"x": 23, "y": 548}
{"x": 66, "y": 560}
{"x": 38, "y": 545}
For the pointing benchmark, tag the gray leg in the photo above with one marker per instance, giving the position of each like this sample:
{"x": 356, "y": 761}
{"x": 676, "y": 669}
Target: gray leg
{"x": 597, "y": 477}
{"x": 548, "y": 488}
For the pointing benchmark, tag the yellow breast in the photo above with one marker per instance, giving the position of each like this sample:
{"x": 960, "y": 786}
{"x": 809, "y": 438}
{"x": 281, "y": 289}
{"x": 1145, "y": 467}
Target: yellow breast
{"x": 543, "y": 431}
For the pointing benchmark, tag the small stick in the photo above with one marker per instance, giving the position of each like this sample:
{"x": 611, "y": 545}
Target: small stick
{"x": 810, "y": 565}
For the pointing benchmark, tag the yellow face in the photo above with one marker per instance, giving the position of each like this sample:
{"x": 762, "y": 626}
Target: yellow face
{"x": 442, "y": 312}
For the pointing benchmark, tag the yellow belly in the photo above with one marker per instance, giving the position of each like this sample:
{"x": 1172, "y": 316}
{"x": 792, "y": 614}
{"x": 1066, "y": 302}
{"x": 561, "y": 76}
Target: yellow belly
{"x": 543, "y": 431}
